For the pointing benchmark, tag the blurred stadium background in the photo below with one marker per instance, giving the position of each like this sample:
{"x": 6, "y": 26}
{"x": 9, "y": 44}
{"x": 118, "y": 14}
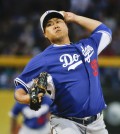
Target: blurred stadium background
{"x": 21, "y": 38}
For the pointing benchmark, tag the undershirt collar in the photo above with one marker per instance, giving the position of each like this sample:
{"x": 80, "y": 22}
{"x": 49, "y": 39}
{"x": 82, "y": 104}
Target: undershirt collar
{"x": 56, "y": 45}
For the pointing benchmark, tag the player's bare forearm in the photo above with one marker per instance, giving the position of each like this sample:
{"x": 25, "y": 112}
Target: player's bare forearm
{"x": 21, "y": 96}
{"x": 87, "y": 23}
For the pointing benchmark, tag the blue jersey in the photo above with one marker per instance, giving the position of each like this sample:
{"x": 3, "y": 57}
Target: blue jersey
{"x": 32, "y": 119}
{"x": 73, "y": 70}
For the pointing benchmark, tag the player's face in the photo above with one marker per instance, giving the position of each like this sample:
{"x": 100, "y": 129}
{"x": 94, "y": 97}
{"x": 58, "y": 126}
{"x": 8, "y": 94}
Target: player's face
{"x": 56, "y": 29}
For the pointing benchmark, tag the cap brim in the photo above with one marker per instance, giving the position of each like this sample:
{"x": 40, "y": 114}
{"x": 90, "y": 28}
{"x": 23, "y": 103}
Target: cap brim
{"x": 50, "y": 16}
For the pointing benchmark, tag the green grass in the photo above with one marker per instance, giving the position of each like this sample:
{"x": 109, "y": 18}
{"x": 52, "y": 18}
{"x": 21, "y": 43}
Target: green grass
{"x": 6, "y": 103}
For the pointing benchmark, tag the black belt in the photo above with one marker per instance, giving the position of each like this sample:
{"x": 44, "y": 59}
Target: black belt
{"x": 84, "y": 121}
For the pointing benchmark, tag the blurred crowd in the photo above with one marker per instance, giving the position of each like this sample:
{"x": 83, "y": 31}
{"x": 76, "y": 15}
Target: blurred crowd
{"x": 20, "y": 32}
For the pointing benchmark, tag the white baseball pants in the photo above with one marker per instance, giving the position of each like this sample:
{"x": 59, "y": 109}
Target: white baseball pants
{"x": 65, "y": 126}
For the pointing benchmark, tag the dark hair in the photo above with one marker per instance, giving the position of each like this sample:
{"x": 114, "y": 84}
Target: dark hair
{"x": 50, "y": 16}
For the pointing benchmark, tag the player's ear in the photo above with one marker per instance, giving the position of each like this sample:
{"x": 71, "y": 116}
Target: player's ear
{"x": 45, "y": 35}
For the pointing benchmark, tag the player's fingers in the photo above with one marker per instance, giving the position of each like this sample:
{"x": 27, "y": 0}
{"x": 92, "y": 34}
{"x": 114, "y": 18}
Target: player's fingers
{"x": 39, "y": 99}
{"x": 40, "y": 95}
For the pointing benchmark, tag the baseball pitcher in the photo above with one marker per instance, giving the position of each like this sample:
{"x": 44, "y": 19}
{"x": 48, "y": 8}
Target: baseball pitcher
{"x": 71, "y": 70}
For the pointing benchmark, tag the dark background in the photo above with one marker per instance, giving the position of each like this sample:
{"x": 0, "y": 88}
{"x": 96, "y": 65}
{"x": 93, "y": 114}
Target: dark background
{"x": 20, "y": 35}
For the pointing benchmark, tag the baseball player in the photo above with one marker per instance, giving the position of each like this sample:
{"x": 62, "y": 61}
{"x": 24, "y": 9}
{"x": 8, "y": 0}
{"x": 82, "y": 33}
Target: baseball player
{"x": 35, "y": 122}
{"x": 73, "y": 76}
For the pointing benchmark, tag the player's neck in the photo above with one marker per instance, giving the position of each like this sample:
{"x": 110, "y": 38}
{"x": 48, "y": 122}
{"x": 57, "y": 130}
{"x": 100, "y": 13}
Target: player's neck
{"x": 62, "y": 41}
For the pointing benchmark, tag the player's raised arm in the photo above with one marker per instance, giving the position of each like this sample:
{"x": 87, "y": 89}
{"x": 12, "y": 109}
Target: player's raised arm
{"x": 87, "y": 23}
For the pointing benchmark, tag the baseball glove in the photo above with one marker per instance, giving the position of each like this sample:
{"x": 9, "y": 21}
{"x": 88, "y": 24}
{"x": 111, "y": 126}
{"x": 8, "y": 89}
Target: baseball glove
{"x": 39, "y": 86}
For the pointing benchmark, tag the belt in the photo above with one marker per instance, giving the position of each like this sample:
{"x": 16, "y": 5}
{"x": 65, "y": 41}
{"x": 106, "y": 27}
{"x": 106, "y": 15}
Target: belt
{"x": 85, "y": 121}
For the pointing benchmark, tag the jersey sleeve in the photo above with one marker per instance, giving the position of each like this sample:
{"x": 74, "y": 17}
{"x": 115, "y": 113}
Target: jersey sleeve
{"x": 47, "y": 100}
{"x": 30, "y": 72}
{"x": 21, "y": 86}
{"x": 99, "y": 38}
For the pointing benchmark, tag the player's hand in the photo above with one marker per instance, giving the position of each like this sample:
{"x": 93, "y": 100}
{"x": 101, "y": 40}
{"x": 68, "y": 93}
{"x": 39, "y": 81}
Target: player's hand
{"x": 68, "y": 16}
{"x": 40, "y": 95}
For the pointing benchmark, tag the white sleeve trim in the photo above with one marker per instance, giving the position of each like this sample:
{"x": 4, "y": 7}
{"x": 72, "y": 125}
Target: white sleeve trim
{"x": 28, "y": 85}
{"x": 105, "y": 40}
{"x": 17, "y": 81}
